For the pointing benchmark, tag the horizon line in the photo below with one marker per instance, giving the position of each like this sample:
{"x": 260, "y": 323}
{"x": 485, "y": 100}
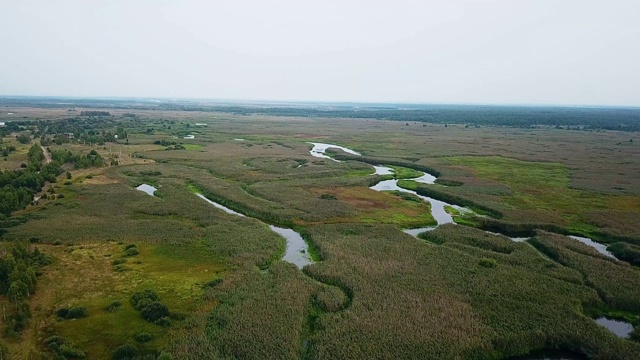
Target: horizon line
{"x": 275, "y": 101}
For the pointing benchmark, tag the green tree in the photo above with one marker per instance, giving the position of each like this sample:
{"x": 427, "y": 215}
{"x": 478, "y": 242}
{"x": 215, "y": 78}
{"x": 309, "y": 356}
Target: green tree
{"x": 18, "y": 291}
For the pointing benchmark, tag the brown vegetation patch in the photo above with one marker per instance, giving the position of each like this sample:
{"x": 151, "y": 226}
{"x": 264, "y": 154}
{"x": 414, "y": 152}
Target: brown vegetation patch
{"x": 358, "y": 197}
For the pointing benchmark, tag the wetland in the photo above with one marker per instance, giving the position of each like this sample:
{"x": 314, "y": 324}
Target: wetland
{"x": 322, "y": 238}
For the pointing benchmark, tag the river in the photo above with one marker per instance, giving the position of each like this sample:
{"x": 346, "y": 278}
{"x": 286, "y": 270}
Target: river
{"x": 620, "y": 328}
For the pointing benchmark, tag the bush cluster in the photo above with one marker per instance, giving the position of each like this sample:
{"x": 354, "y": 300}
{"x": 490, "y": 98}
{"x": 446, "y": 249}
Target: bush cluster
{"x": 62, "y": 349}
{"x": 131, "y": 250}
{"x": 75, "y": 312}
{"x": 626, "y": 252}
{"x": 150, "y": 307}
{"x": 115, "y": 305}
{"x": 130, "y": 352}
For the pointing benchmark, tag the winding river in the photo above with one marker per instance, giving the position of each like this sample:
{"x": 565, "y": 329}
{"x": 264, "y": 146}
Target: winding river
{"x": 620, "y": 328}
{"x": 297, "y": 250}
{"x": 437, "y": 207}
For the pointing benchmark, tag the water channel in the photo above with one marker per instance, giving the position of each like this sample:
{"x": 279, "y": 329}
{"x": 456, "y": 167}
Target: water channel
{"x": 620, "y": 328}
{"x": 319, "y": 149}
{"x": 297, "y": 250}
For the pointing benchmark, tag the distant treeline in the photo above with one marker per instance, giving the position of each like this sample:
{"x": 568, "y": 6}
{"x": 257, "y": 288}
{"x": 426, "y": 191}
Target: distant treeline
{"x": 624, "y": 119}
{"x": 94, "y": 113}
{"x": 76, "y": 129}
{"x": 93, "y": 159}
{"x": 596, "y": 118}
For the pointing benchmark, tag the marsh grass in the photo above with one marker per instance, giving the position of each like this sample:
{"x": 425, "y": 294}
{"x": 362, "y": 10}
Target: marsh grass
{"x": 376, "y": 293}
{"x": 616, "y": 282}
{"x": 541, "y": 192}
{"x": 503, "y": 300}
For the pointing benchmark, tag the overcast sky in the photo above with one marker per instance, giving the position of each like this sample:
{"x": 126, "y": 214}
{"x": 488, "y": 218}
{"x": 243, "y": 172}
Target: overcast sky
{"x": 449, "y": 51}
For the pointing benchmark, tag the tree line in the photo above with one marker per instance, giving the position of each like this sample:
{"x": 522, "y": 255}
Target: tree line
{"x": 19, "y": 268}
{"x": 18, "y": 187}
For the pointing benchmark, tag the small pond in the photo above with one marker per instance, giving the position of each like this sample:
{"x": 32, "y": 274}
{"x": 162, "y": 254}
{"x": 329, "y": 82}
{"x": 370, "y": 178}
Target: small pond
{"x": 147, "y": 189}
{"x": 621, "y": 328}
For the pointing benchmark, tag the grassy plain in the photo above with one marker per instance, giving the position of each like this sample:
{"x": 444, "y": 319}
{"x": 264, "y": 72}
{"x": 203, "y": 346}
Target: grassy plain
{"x": 83, "y": 275}
{"x": 377, "y": 292}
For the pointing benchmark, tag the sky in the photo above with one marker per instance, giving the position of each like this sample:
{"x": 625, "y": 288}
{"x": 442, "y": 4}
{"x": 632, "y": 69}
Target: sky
{"x": 561, "y": 52}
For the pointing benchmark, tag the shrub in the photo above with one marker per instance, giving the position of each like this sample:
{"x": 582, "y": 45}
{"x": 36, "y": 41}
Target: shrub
{"x": 140, "y": 299}
{"x": 488, "y": 263}
{"x": 143, "y": 337}
{"x": 626, "y": 252}
{"x": 4, "y": 352}
{"x": 131, "y": 252}
{"x": 328, "y": 197}
{"x": 164, "y": 322}
{"x": 118, "y": 261}
{"x": 62, "y": 313}
{"x": 213, "y": 283}
{"x": 125, "y": 352}
{"x": 53, "y": 342}
{"x": 68, "y": 351}
{"x": 120, "y": 268}
{"x": 154, "y": 311}
{"x": 115, "y": 305}
{"x": 164, "y": 356}
{"x": 75, "y": 312}
{"x": 130, "y": 246}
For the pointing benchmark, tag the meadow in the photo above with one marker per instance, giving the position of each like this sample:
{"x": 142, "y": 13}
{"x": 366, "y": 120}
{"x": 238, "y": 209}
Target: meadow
{"x": 456, "y": 292}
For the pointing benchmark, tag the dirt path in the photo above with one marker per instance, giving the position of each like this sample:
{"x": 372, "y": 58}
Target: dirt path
{"x": 47, "y": 157}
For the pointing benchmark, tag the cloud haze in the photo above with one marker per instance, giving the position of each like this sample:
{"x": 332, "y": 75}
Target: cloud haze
{"x": 533, "y": 52}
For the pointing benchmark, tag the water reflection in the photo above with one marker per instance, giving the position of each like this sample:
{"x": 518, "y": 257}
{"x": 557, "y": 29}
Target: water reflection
{"x": 620, "y": 328}
{"x": 147, "y": 189}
